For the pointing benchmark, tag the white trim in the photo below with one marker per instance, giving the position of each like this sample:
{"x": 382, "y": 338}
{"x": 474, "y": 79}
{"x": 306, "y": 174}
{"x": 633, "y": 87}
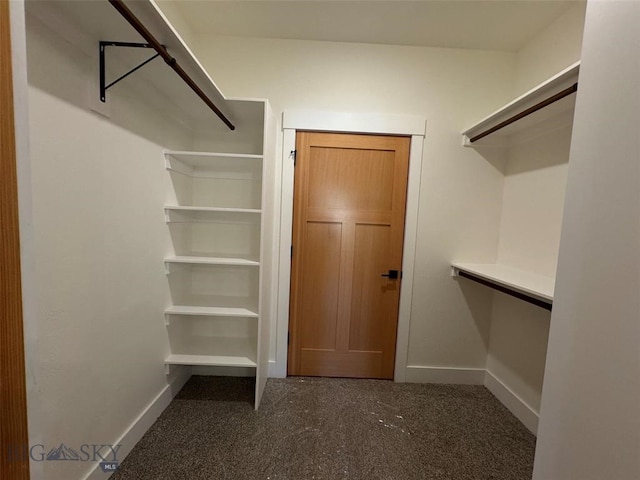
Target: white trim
{"x": 522, "y": 411}
{"x": 355, "y": 123}
{"x": 284, "y": 264}
{"x": 408, "y": 258}
{"x": 450, "y": 375}
{"x": 145, "y": 420}
{"x": 275, "y": 370}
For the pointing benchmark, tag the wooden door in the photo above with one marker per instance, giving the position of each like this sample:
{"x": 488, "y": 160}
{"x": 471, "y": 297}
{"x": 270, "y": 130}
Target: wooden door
{"x": 14, "y": 462}
{"x": 348, "y": 229}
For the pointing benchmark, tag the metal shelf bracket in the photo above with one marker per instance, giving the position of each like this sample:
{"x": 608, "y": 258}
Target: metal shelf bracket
{"x": 103, "y": 86}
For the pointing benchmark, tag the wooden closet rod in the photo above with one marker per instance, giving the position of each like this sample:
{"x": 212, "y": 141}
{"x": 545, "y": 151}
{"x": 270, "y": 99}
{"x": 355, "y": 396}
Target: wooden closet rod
{"x": 162, "y": 51}
{"x": 538, "y": 106}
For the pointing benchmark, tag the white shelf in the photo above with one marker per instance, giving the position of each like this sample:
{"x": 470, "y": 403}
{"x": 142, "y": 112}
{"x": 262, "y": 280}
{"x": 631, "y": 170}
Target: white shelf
{"x": 531, "y": 284}
{"x": 184, "y": 214}
{"x": 204, "y": 159}
{"x": 231, "y": 166}
{"x": 212, "y": 261}
{"x": 211, "y": 311}
{"x": 215, "y": 351}
{"x": 212, "y": 209}
{"x": 547, "y": 119}
{"x": 85, "y": 23}
{"x": 210, "y": 360}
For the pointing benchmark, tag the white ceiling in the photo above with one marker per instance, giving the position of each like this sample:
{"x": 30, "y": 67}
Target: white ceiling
{"x": 477, "y": 24}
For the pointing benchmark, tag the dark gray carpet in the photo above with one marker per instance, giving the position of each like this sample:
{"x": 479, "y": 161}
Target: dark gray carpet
{"x": 326, "y": 428}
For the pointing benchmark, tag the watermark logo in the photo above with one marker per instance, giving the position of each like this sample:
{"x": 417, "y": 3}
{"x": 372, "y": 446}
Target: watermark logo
{"x": 106, "y": 455}
{"x": 63, "y": 453}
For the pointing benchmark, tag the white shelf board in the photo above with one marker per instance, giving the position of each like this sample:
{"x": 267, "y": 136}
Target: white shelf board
{"x": 184, "y": 214}
{"x": 229, "y": 166}
{"x": 212, "y": 261}
{"x": 210, "y": 360}
{"x": 548, "y": 118}
{"x": 212, "y": 209}
{"x": 204, "y": 159}
{"x": 210, "y": 311}
{"x": 522, "y": 281}
{"x": 215, "y": 351}
{"x": 86, "y": 23}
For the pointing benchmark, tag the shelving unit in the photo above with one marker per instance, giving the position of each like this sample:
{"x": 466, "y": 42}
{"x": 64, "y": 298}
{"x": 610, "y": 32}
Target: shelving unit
{"x": 529, "y": 141}
{"x": 219, "y": 315}
{"x": 544, "y": 109}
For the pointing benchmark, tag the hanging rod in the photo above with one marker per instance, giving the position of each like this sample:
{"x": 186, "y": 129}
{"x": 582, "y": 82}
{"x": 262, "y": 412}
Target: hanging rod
{"x": 162, "y": 51}
{"x": 546, "y": 304}
{"x": 538, "y": 106}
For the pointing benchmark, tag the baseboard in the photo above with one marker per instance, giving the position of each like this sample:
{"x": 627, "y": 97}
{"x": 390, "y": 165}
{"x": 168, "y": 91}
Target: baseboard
{"x": 513, "y": 402}
{"x": 460, "y": 376}
{"x": 276, "y": 370}
{"x": 140, "y": 425}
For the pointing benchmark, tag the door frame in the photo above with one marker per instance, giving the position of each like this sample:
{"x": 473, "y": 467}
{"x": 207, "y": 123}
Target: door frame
{"x": 340, "y": 122}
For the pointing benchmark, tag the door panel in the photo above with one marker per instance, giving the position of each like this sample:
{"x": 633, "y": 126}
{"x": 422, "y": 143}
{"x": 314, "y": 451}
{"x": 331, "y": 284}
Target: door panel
{"x": 371, "y": 301}
{"x": 319, "y": 302}
{"x": 347, "y": 179}
{"x": 349, "y": 204}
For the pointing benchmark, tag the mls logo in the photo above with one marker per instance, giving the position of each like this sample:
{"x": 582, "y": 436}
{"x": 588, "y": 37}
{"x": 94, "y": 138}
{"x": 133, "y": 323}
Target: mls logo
{"x": 108, "y": 467}
{"x": 103, "y": 454}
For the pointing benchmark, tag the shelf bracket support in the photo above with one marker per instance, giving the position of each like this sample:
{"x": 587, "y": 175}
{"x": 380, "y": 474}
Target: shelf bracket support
{"x": 170, "y": 268}
{"x": 103, "y": 85}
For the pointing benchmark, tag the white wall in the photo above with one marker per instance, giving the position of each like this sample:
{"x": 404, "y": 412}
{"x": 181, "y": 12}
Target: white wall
{"x": 99, "y": 239}
{"x": 532, "y": 210}
{"x": 533, "y": 198}
{"x": 589, "y": 427}
{"x": 460, "y": 192}
{"x": 551, "y": 50}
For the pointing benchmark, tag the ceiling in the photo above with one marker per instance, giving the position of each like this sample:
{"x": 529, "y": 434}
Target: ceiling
{"x": 504, "y": 25}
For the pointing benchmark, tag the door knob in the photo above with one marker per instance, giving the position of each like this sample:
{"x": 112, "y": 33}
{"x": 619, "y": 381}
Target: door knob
{"x": 393, "y": 274}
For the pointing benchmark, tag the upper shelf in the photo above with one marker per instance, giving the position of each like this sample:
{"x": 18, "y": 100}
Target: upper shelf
{"x": 536, "y": 289}
{"x": 542, "y": 109}
{"x": 205, "y": 164}
{"x": 200, "y": 260}
{"x": 181, "y": 214}
{"x": 83, "y": 24}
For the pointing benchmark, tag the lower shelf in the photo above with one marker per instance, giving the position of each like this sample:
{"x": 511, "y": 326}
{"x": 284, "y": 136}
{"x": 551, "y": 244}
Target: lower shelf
{"x": 210, "y": 311}
{"x": 527, "y": 286}
{"x": 210, "y": 360}
{"x": 213, "y": 351}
